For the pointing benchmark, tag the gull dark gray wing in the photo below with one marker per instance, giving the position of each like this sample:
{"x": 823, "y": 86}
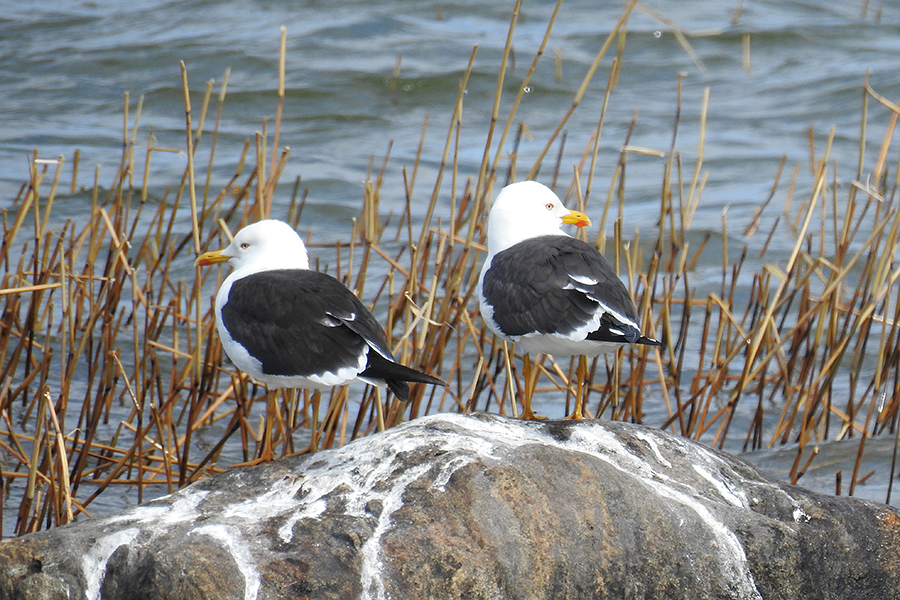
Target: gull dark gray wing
{"x": 559, "y": 285}
{"x": 284, "y": 318}
{"x": 298, "y": 322}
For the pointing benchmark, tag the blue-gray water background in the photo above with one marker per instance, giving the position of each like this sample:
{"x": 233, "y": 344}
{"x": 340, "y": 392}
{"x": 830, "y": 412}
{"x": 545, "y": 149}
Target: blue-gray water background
{"x": 65, "y": 67}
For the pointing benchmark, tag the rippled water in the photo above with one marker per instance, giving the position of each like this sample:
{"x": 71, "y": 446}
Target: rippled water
{"x": 64, "y": 70}
{"x": 363, "y": 74}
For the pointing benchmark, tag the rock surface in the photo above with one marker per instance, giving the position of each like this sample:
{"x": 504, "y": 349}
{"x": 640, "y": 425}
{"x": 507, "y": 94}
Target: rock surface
{"x": 477, "y": 506}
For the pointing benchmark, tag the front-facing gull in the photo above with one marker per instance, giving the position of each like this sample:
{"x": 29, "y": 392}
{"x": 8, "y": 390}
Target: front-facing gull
{"x": 546, "y": 291}
{"x": 290, "y": 327}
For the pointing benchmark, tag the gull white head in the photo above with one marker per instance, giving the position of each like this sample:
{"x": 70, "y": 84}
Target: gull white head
{"x": 262, "y": 246}
{"x": 525, "y": 210}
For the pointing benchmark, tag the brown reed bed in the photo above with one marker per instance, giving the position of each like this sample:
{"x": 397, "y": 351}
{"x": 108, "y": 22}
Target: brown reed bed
{"x": 111, "y": 373}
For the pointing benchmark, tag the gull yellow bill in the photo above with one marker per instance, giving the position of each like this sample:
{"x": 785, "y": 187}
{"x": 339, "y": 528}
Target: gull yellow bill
{"x": 576, "y": 218}
{"x": 211, "y": 258}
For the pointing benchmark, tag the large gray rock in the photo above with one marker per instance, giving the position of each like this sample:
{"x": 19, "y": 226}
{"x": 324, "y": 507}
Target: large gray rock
{"x": 477, "y": 506}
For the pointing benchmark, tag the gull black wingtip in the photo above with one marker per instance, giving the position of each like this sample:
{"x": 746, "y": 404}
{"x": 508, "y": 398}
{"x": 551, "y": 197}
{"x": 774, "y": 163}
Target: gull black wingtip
{"x": 433, "y": 380}
{"x": 396, "y": 375}
{"x": 649, "y": 341}
{"x": 400, "y": 387}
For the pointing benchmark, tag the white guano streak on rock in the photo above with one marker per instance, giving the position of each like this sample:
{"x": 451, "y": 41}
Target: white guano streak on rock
{"x": 370, "y": 571}
{"x": 359, "y": 467}
{"x": 651, "y": 441}
{"x": 728, "y": 474}
{"x": 604, "y": 445}
{"x": 448, "y": 469}
{"x": 239, "y": 549}
{"x": 279, "y": 498}
{"x": 364, "y": 467}
{"x": 93, "y": 565}
{"x": 718, "y": 472}
{"x": 736, "y": 497}
{"x": 182, "y": 509}
{"x": 733, "y": 559}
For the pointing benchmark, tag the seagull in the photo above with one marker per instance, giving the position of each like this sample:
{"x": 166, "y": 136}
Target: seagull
{"x": 546, "y": 291}
{"x": 287, "y": 326}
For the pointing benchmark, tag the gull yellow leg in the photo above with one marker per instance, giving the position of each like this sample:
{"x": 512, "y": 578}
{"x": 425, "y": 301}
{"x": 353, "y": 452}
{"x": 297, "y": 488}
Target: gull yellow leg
{"x": 290, "y": 424}
{"x": 530, "y": 370}
{"x": 379, "y": 408}
{"x": 580, "y": 374}
{"x": 267, "y": 453}
{"x": 314, "y": 424}
{"x": 509, "y": 380}
{"x": 265, "y": 435}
